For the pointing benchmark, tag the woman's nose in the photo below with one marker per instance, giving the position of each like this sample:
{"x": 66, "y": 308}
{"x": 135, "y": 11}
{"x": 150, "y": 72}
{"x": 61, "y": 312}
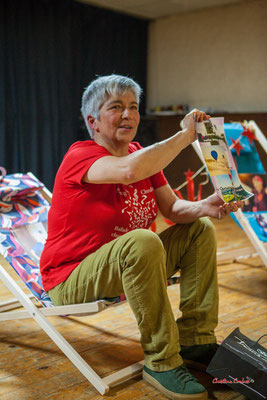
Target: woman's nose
{"x": 126, "y": 113}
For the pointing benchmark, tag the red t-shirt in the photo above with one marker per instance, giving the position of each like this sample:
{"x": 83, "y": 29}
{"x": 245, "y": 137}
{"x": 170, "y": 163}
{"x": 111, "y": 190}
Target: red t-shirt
{"x": 84, "y": 216}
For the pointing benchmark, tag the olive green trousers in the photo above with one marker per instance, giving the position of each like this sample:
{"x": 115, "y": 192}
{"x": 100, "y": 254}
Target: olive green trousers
{"x": 138, "y": 264}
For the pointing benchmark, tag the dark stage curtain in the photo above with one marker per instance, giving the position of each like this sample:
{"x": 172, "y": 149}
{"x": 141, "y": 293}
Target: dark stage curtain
{"x": 50, "y": 50}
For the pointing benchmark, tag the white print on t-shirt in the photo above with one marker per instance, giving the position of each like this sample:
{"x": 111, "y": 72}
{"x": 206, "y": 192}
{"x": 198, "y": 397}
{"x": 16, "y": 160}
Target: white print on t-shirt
{"x": 120, "y": 229}
{"x": 141, "y": 211}
{"x": 122, "y": 192}
{"x": 144, "y": 191}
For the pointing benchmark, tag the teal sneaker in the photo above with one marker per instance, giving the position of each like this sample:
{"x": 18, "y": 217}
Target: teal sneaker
{"x": 176, "y": 383}
{"x": 198, "y": 356}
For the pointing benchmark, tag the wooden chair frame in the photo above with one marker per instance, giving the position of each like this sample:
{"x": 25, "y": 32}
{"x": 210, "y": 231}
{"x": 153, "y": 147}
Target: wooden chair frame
{"x": 40, "y": 314}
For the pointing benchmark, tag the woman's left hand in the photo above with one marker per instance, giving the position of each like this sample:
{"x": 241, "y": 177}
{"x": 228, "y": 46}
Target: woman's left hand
{"x": 216, "y": 208}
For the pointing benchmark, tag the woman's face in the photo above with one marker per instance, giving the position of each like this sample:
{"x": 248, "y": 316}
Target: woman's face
{"x": 118, "y": 120}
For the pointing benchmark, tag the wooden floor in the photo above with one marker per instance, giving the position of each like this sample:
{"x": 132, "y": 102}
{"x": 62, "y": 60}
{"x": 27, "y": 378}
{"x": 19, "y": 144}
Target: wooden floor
{"x": 32, "y": 367}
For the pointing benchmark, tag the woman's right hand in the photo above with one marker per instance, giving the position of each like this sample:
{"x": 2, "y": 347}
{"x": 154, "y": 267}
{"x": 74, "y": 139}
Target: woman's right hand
{"x": 188, "y": 123}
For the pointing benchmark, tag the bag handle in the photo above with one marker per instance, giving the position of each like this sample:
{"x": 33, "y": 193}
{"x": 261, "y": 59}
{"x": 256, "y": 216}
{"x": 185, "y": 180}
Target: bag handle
{"x": 261, "y": 337}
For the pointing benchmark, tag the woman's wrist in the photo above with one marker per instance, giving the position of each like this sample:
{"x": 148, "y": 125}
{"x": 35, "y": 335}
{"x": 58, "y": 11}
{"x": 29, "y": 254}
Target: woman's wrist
{"x": 185, "y": 138}
{"x": 203, "y": 208}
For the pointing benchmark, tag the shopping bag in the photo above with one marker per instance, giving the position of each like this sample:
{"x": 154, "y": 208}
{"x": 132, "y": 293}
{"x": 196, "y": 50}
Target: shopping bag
{"x": 241, "y": 363}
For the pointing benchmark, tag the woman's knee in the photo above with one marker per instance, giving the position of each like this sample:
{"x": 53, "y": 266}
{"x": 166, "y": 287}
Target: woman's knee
{"x": 206, "y": 230}
{"x": 147, "y": 241}
{"x": 146, "y": 244}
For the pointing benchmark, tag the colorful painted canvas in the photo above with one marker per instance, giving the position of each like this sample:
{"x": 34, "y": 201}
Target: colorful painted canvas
{"x": 219, "y": 161}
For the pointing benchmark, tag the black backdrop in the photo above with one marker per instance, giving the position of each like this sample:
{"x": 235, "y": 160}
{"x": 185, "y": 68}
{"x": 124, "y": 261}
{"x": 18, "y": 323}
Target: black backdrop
{"x": 49, "y": 51}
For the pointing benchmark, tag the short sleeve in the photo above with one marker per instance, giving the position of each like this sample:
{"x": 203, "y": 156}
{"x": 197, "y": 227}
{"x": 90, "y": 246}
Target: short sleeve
{"x": 158, "y": 180}
{"x": 79, "y": 159}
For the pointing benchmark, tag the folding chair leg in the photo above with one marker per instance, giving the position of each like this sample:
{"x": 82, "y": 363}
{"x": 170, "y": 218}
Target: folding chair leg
{"x": 12, "y": 304}
{"x": 57, "y": 338}
{"x": 124, "y": 374}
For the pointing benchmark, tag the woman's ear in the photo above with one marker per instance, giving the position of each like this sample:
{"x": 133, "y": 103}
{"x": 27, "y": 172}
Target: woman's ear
{"x": 91, "y": 121}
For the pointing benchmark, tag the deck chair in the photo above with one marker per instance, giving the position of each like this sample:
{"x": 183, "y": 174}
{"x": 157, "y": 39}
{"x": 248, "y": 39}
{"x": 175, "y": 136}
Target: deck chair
{"x": 24, "y": 205}
{"x": 248, "y": 164}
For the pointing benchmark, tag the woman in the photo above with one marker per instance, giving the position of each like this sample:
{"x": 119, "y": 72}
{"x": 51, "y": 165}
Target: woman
{"x": 107, "y": 193}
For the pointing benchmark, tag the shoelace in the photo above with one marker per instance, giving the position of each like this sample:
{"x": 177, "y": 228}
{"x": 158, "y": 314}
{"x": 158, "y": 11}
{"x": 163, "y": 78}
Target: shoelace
{"x": 184, "y": 375}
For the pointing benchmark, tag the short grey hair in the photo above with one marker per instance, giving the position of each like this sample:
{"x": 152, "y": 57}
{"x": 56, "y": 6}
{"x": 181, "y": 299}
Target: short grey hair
{"x": 99, "y": 91}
